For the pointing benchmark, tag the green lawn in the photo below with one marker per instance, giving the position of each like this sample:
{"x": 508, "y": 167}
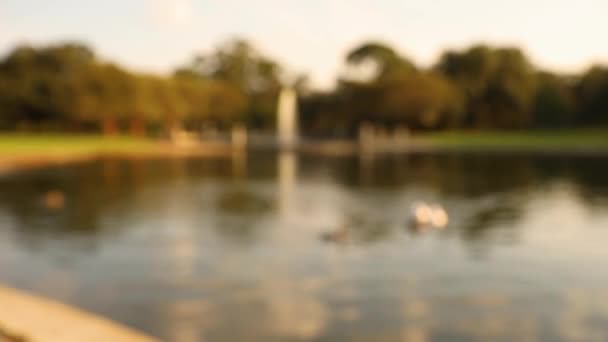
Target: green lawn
{"x": 54, "y": 145}
{"x": 70, "y": 145}
{"x": 592, "y": 139}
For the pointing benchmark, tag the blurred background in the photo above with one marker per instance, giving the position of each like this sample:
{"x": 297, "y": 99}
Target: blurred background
{"x": 136, "y": 66}
{"x": 202, "y": 170}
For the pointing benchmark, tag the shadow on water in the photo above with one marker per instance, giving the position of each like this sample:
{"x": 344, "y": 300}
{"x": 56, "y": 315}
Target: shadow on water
{"x": 276, "y": 247}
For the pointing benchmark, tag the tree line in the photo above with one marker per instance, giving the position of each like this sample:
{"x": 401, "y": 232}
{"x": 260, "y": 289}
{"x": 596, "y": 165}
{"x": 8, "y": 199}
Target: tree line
{"x": 67, "y": 87}
{"x": 480, "y": 87}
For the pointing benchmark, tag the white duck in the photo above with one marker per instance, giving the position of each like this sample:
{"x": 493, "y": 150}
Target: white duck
{"x": 439, "y": 217}
{"x": 423, "y": 215}
{"x": 420, "y": 214}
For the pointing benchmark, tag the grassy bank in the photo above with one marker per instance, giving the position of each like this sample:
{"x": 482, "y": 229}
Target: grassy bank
{"x": 19, "y": 145}
{"x": 20, "y": 151}
{"x": 571, "y": 140}
{"x": 22, "y": 146}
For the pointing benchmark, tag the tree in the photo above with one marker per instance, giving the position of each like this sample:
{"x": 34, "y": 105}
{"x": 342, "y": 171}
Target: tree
{"x": 555, "y": 102}
{"x": 65, "y": 84}
{"x": 39, "y": 84}
{"x": 397, "y": 92}
{"x": 242, "y": 69}
{"x": 499, "y": 85}
{"x": 385, "y": 62}
{"x": 227, "y": 104}
{"x": 592, "y": 94}
{"x": 195, "y": 93}
{"x": 210, "y": 101}
{"x": 106, "y": 95}
{"x": 422, "y": 100}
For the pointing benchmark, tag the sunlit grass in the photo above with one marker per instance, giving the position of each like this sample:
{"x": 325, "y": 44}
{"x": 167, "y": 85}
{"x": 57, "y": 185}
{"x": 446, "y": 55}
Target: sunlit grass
{"x": 71, "y": 145}
{"x": 591, "y": 139}
{"x": 57, "y": 145}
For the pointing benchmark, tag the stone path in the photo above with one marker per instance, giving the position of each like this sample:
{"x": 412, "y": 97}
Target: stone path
{"x": 37, "y": 319}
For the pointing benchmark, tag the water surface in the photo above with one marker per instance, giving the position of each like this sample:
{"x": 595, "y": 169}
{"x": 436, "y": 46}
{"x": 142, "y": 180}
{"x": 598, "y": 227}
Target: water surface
{"x": 190, "y": 250}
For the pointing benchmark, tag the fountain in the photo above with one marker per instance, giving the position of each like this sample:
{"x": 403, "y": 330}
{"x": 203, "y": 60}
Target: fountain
{"x": 287, "y": 115}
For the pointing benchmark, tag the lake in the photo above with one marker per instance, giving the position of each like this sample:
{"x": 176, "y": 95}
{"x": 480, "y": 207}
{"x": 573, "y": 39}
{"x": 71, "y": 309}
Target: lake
{"x": 233, "y": 249}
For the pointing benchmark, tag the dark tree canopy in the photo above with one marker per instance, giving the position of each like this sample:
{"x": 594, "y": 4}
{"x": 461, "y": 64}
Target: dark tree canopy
{"x": 244, "y": 72}
{"x": 66, "y": 86}
{"x": 499, "y": 85}
{"x": 592, "y": 91}
{"x": 386, "y": 61}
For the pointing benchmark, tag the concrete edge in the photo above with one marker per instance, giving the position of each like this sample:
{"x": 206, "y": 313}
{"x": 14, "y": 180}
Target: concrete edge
{"x": 31, "y": 318}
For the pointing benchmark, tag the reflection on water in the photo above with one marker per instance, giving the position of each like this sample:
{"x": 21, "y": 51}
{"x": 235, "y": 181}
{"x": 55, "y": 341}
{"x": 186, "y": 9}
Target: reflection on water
{"x": 232, "y": 249}
{"x": 287, "y": 174}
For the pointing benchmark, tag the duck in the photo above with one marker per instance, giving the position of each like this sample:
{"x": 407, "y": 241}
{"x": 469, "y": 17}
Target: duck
{"x": 423, "y": 215}
{"x": 54, "y": 200}
{"x": 340, "y": 235}
{"x": 420, "y": 214}
{"x": 439, "y": 217}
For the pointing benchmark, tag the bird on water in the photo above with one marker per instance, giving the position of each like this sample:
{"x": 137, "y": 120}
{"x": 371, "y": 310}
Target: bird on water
{"x": 423, "y": 215}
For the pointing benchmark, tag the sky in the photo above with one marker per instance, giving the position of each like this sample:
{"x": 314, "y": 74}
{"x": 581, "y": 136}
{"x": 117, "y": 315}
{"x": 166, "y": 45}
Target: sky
{"x": 311, "y": 36}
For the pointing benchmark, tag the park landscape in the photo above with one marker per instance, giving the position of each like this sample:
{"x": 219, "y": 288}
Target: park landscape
{"x": 233, "y": 198}
{"x": 481, "y": 96}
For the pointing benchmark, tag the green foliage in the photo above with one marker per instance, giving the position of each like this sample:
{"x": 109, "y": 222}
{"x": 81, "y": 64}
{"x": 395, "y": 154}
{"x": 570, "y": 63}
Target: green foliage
{"x": 499, "y": 85}
{"x": 62, "y": 84}
{"x": 388, "y": 64}
{"x": 592, "y": 91}
{"x": 65, "y": 86}
{"x": 247, "y": 82}
{"x": 396, "y": 94}
{"x": 554, "y": 103}
{"x": 426, "y": 100}
{"x": 38, "y": 85}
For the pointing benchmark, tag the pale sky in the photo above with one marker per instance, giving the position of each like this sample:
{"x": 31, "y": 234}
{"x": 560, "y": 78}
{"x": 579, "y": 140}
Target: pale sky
{"x": 311, "y": 36}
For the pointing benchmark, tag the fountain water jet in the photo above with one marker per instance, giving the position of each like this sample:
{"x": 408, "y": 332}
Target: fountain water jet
{"x": 287, "y": 117}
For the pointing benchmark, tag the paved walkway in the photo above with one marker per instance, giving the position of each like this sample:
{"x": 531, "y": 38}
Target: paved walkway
{"x": 39, "y": 319}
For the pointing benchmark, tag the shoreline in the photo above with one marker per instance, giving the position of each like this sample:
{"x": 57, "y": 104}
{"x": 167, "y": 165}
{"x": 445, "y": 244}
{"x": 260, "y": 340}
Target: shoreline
{"x": 25, "y": 152}
{"x": 33, "y": 318}
{"x": 31, "y": 161}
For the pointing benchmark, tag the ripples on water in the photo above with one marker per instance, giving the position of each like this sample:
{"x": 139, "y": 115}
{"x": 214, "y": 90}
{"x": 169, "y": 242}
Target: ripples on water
{"x": 232, "y": 250}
